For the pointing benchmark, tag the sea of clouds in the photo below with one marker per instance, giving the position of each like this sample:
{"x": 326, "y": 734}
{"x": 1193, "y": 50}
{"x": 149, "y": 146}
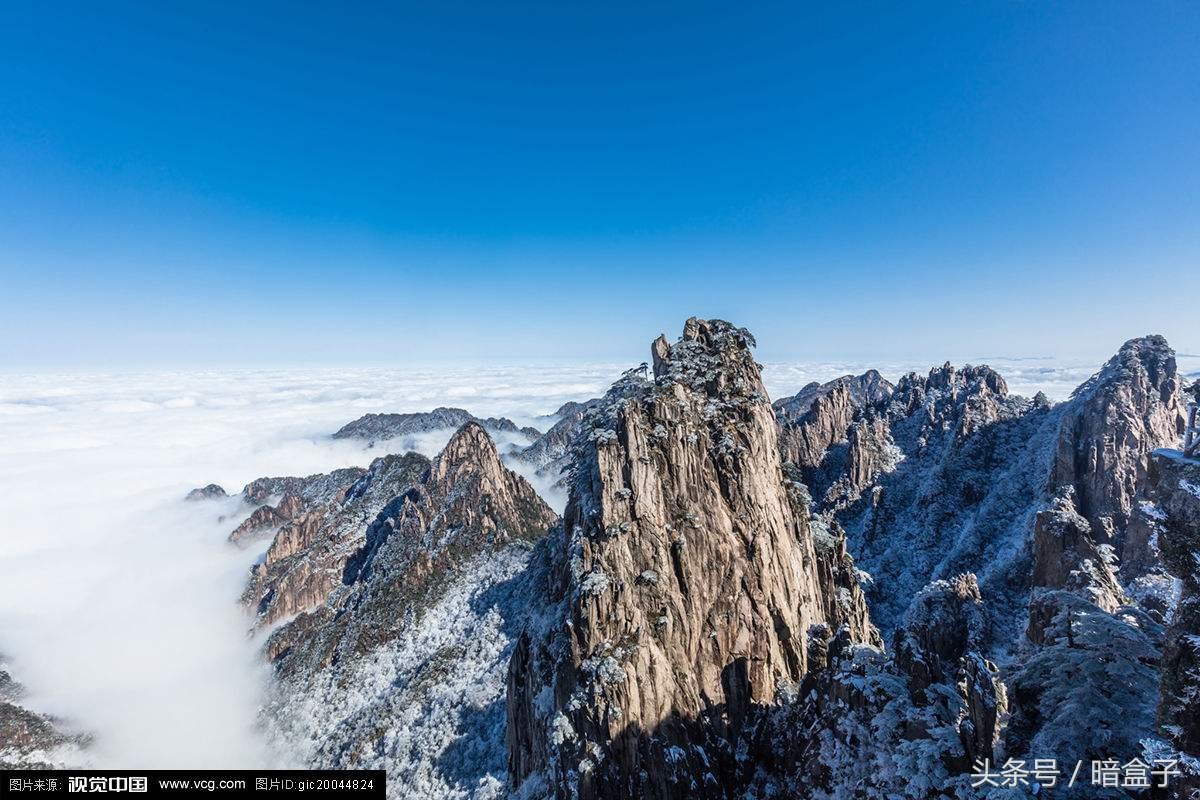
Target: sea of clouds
{"x": 118, "y": 601}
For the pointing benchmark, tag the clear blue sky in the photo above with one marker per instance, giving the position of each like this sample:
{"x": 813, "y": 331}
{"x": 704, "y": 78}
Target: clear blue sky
{"x": 199, "y": 183}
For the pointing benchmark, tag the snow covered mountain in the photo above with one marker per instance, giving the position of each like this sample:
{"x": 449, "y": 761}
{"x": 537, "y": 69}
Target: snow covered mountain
{"x": 858, "y": 591}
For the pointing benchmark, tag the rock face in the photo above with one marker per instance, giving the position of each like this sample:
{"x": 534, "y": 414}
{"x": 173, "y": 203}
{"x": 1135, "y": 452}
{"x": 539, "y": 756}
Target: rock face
{"x": 804, "y": 440}
{"x": 321, "y": 522}
{"x": 1175, "y": 488}
{"x": 946, "y": 467}
{"x": 1066, "y": 555}
{"x": 683, "y": 582}
{"x": 958, "y": 469}
{"x": 1131, "y": 407}
{"x": 694, "y": 625}
{"x": 466, "y": 503}
{"x": 1047, "y": 505}
{"x": 379, "y": 427}
{"x": 864, "y": 390}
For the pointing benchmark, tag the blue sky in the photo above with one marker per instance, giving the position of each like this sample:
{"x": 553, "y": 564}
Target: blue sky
{"x": 201, "y": 184}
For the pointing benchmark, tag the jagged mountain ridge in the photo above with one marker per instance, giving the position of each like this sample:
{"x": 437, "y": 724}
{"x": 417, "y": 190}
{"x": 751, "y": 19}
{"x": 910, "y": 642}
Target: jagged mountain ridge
{"x": 957, "y": 468}
{"x": 380, "y": 427}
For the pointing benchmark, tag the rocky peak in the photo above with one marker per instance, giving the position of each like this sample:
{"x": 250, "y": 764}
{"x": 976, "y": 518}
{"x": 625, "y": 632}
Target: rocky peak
{"x": 942, "y": 642}
{"x": 868, "y": 389}
{"x": 469, "y": 492}
{"x": 962, "y": 400}
{"x": 943, "y": 623}
{"x": 469, "y": 448}
{"x": 685, "y": 582}
{"x": 1112, "y": 423}
{"x": 465, "y": 503}
{"x": 805, "y": 439}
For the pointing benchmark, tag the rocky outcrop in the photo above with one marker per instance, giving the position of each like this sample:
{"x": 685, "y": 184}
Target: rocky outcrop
{"x": 1113, "y": 422}
{"x": 268, "y": 518}
{"x": 911, "y": 725}
{"x": 970, "y": 478}
{"x": 312, "y": 490}
{"x": 821, "y": 443}
{"x": 804, "y": 440}
{"x": 683, "y": 582}
{"x": 695, "y": 626}
{"x": 380, "y": 427}
{"x": 868, "y": 389}
{"x": 1175, "y": 489}
{"x": 466, "y": 503}
{"x": 322, "y": 522}
{"x": 933, "y": 483}
{"x": 1066, "y": 555}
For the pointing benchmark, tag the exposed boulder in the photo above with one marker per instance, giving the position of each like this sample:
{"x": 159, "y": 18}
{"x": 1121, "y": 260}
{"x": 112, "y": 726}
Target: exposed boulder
{"x": 683, "y": 581}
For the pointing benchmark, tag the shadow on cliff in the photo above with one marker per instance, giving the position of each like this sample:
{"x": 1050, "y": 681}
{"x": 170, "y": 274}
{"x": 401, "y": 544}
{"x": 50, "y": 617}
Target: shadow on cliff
{"x": 712, "y": 756}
